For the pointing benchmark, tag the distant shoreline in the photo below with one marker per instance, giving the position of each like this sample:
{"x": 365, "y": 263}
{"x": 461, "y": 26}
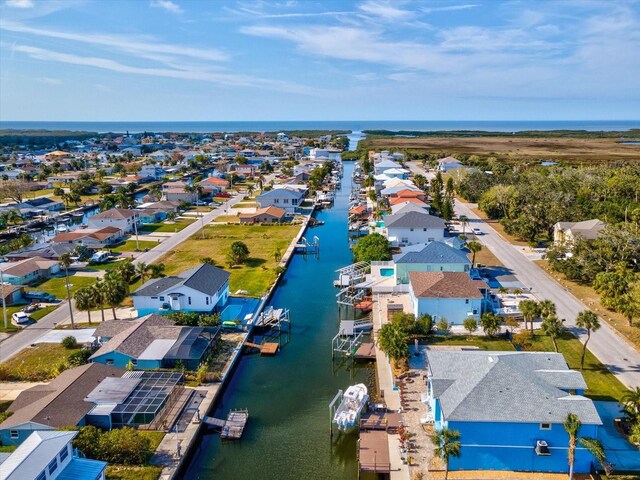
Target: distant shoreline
{"x": 506, "y": 126}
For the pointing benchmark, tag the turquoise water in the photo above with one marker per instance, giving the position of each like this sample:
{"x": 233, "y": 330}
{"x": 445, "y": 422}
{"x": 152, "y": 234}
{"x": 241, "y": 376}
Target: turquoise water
{"x": 288, "y": 396}
{"x": 387, "y": 272}
{"x": 238, "y": 308}
{"x": 231, "y": 312}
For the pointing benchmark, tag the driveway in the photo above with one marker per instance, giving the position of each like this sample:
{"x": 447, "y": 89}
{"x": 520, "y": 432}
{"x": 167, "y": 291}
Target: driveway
{"x": 606, "y": 344}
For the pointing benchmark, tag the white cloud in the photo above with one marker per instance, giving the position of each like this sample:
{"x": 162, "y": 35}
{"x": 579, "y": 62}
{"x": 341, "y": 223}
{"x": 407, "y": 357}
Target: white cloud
{"x": 384, "y": 10}
{"x": 365, "y": 77}
{"x": 167, "y": 5}
{"x": 19, "y": 3}
{"x": 450, "y": 8}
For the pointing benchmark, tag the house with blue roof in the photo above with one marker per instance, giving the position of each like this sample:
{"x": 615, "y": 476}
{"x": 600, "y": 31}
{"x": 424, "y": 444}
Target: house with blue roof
{"x": 200, "y": 289}
{"x": 49, "y": 455}
{"x": 509, "y": 408}
{"x": 429, "y": 257}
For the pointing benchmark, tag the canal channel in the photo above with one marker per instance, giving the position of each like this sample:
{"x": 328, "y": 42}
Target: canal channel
{"x": 288, "y": 395}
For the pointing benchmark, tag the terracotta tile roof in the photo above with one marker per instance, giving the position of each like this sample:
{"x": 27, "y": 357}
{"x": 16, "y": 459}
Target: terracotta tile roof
{"x": 357, "y": 210}
{"x": 409, "y": 193}
{"x": 398, "y": 200}
{"x": 275, "y": 211}
{"x": 445, "y": 285}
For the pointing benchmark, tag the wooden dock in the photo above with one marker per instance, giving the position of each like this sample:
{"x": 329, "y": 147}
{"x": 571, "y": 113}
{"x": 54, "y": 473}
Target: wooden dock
{"x": 373, "y": 452}
{"x": 266, "y": 348}
{"x": 366, "y": 351}
{"x": 232, "y": 427}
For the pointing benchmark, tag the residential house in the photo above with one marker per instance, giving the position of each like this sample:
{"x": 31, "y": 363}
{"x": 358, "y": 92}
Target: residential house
{"x": 384, "y": 165}
{"x": 409, "y": 207}
{"x": 565, "y": 233}
{"x": 152, "y": 171}
{"x": 213, "y": 185}
{"x": 154, "y": 342}
{"x": 448, "y": 163}
{"x": 408, "y": 228}
{"x": 449, "y": 295}
{"x": 509, "y": 409}
{"x": 244, "y": 170}
{"x": 178, "y": 192}
{"x": 200, "y": 289}
{"x": 63, "y": 178}
{"x": 49, "y": 455}
{"x": 42, "y": 204}
{"x": 359, "y": 212}
{"x": 123, "y": 219}
{"x": 30, "y": 270}
{"x": 403, "y": 201}
{"x": 13, "y": 294}
{"x": 60, "y": 403}
{"x": 287, "y": 198}
{"x": 45, "y": 250}
{"x": 264, "y": 215}
{"x": 431, "y": 257}
{"x": 91, "y": 238}
{"x": 325, "y": 154}
{"x": 58, "y": 155}
{"x": 401, "y": 173}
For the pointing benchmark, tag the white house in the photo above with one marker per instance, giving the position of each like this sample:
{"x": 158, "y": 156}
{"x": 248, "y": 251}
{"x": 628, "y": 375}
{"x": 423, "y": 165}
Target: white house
{"x": 28, "y": 271}
{"x": 410, "y": 227}
{"x": 384, "y": 165}
{"x": 289, "y": 199}
{"x": 333, "y": 155}
{"x": 47, "y": 455}
{"x": 151, "y": 171}
{"x": 199, "y": 289}
{"x": 448, "y": 163}
{"x": 122, "y": 218}
{"x": 565, "y": 233}
{"x": 429, "y": 257}
{"x": 449, "y": 295}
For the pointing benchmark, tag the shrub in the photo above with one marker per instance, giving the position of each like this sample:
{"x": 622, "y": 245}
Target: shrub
{"x": 471, "y": 325}
{"x": 424, "y": 324}
{"x": 79, "y": 358}
{"x": 201, "y": 373}
{"x": 523, "y": 339}
{"x": 124, "y": 446}
{"x": 443, "y": 326}
{"x": 69, "y": 342}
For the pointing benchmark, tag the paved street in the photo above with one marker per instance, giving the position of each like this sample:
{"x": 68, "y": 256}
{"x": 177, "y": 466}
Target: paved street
{"x": 611, "y": 349}
{"x": 30, "y": 334}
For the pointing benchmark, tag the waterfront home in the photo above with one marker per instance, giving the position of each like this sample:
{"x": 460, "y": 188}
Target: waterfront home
{"x": 406, "y": 201}
{"x": 152, "y": 171}
{"x": 45, "y": 250}
{"x": 199, "y": 289}
{"x": 91, "y": 238}
{"x": 287, "y": 197}
{"x": 121, "y": 218}
{"x": 213, "y": 185}
{"x": 325, "y": 155}
{"x": 244, "y": 170}
{"x": 453, "y": 296}
{"x": 264, "y": 215}
{"x": 448, "y": 163}
{"x": 49, "y": 455}
{"x": 30, "y": 270}
{"x": 178, "y": 192}
{"x": 430, "y": 257}
{"x": 154, "y": 342}
{"x": 565, "y": 233}
{"x": 408, "y": 228}
{"x": 382, "y": 166}
{"x": 43, "y": 204}
{"x": 401, "y": 173}
{"x": 60, "y": 403}
{"x": 409, "y": 206}
{"x": 509, "y": 408}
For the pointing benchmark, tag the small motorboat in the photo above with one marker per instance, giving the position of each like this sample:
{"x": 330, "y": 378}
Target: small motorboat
{"x": 353, "y": 403}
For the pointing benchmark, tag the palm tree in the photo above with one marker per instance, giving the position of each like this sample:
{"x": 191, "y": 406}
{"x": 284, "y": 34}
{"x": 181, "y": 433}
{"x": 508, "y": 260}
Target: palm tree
{"x": 142, "y": 269}
{"x": 474, "y": 247}
{"x": 392, "y": 340}
{"x": 250, "y": 188}
{"x": 155, "y": 191}
{"x": 64, "y": 262}
{"x": 114, "y": 292}
{"x": 156, "y": 270}
{"x": 96, "y": 290}
{"x": 547, "y": 308}
{"x": 85, "y": 300}
{"x": 631, "y": 403}
{"x": 572, "y": 426}
{"x": 127, "y": 272}
{"x": 591, "y": 323}
{"x": 553, "y": 327}
{"x": 464, "y": 221}
{"x": 530, "y": 309}
{"x": 277, "y": 254}
{"x": 447, "y": 443}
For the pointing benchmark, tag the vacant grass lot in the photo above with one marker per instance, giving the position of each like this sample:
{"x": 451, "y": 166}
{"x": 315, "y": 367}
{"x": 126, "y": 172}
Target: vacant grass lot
{"x": 119, "y": 472}
{"x": 257, "y": 275}
{"x": 589, "y": 297}
{"x": 130, "y": 246}
{"x": 176, "y": 226}
{"x": 35, "y": 364}
{"x": 601, "y": 383}
{"x": 57, "y": 286}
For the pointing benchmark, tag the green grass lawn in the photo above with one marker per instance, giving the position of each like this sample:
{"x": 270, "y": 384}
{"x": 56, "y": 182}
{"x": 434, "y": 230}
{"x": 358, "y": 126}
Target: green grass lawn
{"x": 120, "y": 472}
{"x": 177, "y": 226}
{"x": 245, "y": 205}
{"x": 130, "y": 246}
{"x": 154, "y": 437}
{"x": 42, "y": 362}
{"x": 104, "y": 267}
{"x": 56, "y": 286}
{"x": 37, "y": 315}
{"x": 601, "y": 383}
{"x": 257, "y": 275}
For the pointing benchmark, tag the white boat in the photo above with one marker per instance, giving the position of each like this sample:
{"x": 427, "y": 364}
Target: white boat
{"x": 353, "y": 402}
{"x": 62, "y": 228}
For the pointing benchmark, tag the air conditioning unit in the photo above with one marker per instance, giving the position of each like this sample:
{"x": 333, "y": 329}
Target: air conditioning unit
{"x": 542, "y": 448}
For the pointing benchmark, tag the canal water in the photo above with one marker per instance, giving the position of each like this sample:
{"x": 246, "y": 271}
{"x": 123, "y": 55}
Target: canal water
{"x": 288, "y": 395}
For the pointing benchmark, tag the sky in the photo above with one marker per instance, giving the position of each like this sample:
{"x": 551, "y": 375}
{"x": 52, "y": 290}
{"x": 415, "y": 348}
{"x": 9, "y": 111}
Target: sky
{"x": 197, "y": 60}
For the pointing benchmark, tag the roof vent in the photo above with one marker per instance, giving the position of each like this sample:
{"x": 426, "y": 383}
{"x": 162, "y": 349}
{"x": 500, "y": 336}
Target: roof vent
{"x": 490, "y": 359}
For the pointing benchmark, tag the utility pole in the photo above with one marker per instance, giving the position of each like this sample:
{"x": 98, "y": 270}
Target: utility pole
{"x": 66, "y": 271}
{"x": 4, "y": 303}
{"x": 135, "y": 229}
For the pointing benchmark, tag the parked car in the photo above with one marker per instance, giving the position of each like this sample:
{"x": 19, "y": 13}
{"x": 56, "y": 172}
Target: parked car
{"x": 476, "y": 231}
{"x": 100, "y": 257}
{"x": 223, "y": 195}
{"x": 20, "y": 318}
{"x": 40, "y": 296}
{"x": 31, "y": 308}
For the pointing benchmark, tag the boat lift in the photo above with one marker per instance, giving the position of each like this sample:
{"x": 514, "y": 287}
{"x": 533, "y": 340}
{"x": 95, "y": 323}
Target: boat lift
{"x": 303, "y": 246}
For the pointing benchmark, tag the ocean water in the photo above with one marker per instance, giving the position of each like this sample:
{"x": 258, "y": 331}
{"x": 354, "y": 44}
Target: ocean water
{"x": 353, "y": 125}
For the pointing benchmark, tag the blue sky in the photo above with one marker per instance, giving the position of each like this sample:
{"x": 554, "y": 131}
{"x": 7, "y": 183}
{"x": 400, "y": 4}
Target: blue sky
{"x": 319, "y": 60}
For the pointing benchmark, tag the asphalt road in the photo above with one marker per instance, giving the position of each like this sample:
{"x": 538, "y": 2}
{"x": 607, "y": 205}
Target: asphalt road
{"x": 27, "y": 336}
{"x": 622, "y": 359}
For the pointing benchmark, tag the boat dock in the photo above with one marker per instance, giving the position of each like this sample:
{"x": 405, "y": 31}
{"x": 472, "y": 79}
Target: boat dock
{"x": 366, "y": 351}
{"x": 373, "y": 452}
{"x": 266, "y": 348}
{"x": 306, "y": 247}
{"x": 232, "y": 427}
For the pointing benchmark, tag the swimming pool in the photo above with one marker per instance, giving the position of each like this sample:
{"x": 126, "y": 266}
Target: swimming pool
{"x": 387, "y": 272}
{"x": 238, "y": 307}
{"x": 231, "y": 312}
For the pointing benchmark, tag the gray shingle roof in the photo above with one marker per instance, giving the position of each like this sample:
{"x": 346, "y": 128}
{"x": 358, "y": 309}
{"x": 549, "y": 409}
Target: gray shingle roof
{"x": 433, "y": 252}
{"x": 413, "y": 220}
{"x": 480, "y": 386}
{"x": 204, "y": 278}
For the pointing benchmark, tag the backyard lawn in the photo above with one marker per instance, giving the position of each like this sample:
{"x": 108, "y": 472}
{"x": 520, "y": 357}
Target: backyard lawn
{"x": 257, "y": 275}
{"x": 130, "y": 246}
{"x": 601, "y": 383}
{"x": 57, "y": 287}
{"x": 176, "y": 226}
{"x": 119, "y": 472}
{"x": 36, "y": 364}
